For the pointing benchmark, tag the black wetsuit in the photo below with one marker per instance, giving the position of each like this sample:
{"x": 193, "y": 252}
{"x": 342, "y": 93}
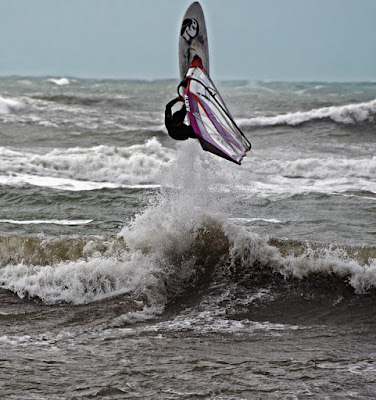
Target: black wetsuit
{"x": 175, "y": 124}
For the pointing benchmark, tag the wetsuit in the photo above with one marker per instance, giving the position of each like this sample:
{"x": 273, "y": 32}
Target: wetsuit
{"x": 175, "y": 123}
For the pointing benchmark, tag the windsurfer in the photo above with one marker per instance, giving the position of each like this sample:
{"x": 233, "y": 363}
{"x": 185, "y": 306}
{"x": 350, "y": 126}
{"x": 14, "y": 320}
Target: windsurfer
{"x": 175, "y": 125}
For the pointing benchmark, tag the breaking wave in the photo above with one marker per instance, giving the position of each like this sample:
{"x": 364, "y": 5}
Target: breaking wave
{"x": 68, "y": 99}
{"x": 9, "y": 105}
{"x": 177, "y": 248}
{"x": 346, "y": 114}
{"x": 47, "y": 221}
{"x": 152, "y": 265}
{"x": 332, "y": 175}
{"x": 86, "y": 169}
{"x": 59, "y": 81}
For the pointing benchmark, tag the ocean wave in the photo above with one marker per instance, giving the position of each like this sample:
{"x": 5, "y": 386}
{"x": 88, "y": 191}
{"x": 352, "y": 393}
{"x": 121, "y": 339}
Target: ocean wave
{"x": 174, "y": 247}
{"x": 9, "y": 105}
{"x": 301, "y": 175}
{"x": 346, "y": 114}
{"x": 69, "y": 99}
{"x": 209, "y": 322}
{"x": 86, "y": 168}
{"x": 79, "y": 114}
{"x": 153, "y": 265}
{"x": 59, "y": 81}
{"x": 78, "y": 281}
{"x": 54, "y": 182}
{"x": 324, "y": 168}
{"x": 250, "y": 220}
{"x": 46, "y": 221}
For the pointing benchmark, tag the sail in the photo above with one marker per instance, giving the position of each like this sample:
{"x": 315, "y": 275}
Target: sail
{"x": 210, "y": 118}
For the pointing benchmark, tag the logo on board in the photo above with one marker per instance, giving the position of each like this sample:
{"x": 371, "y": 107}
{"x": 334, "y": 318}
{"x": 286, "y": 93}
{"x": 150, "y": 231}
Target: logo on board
{"x": 189, "y": 29}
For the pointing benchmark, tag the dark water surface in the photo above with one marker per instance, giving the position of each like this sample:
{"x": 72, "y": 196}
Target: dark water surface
{"x": 132, "y": 266}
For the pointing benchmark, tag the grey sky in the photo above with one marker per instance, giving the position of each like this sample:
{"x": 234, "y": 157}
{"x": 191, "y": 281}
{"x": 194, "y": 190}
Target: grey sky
{"x": 309, "y": 40}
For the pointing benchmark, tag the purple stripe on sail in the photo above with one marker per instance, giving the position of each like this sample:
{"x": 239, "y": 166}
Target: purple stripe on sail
{"x": 220, "y": 128}
{"x": 210, "y": 118}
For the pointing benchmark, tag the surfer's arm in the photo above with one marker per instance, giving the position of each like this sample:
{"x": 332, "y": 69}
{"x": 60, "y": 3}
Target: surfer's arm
{"x": 169, "y": 105}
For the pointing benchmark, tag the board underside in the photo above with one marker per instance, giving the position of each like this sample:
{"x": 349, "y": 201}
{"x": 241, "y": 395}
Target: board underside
{"x": 193, "y": 39}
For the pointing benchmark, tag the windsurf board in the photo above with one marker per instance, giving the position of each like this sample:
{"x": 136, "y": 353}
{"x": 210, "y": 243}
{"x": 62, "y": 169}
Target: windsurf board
{"x": 193, "y": 39}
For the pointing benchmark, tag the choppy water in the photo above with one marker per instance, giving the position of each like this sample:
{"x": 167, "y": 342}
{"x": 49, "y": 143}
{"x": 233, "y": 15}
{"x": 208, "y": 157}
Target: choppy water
{"x": 132, "y": 266}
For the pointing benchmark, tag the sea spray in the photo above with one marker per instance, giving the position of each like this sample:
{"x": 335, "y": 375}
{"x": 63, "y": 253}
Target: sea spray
{"x": 182, "y": 227}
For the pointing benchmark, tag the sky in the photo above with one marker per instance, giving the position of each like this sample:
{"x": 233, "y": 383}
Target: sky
{"x": 275, "y": 40}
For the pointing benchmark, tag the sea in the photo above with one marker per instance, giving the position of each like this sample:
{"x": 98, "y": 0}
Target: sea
{"x": 133, "y": 266}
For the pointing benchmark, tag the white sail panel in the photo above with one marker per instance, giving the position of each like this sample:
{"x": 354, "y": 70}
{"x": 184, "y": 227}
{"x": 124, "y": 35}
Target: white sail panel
{"x": 210, "y": 117}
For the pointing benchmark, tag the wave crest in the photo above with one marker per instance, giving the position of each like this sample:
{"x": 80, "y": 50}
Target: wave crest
{"x": 87, "y": 169}
{"x": 346, "y": 114}
{"x": 175, "y": 248}
{"x": 59, "y": 81}
{"x": 9, "y": 105}
{"x": 153, "y": 272}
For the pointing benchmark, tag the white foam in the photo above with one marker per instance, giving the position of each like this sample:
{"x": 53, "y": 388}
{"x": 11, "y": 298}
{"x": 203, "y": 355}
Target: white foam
{"x": 8, "y": 105}
{"x": 136, "y": 166}
{"x": 59, "y": 81}
{"x": 209, "y": 322}
{"x": 178, "y": 211}
{"x": 268, "y": 220}
{"x": 357, "y": 196}
{"x": 25, "y": 82}
{"x": 85, "y": 280}
{"x": 17, "y": 341}
{"x": 325, "y": 261}
{"x": 337, "y": 174}
{"x": 159, "y": 251}
{"x": 248, "y": 248}
{"x": 54, "y": 183}
{"x": 324, "y": 168}
{"x": 47, "y": 221}
{"x": 155, "y": 239}
{"x": 361, "y": 277}
{"x": 132, "y": 317}
{"x": 347, "y": 114}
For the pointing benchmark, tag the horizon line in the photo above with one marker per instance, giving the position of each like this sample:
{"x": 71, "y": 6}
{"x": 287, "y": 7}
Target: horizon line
{"x": 72, "y": 77}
